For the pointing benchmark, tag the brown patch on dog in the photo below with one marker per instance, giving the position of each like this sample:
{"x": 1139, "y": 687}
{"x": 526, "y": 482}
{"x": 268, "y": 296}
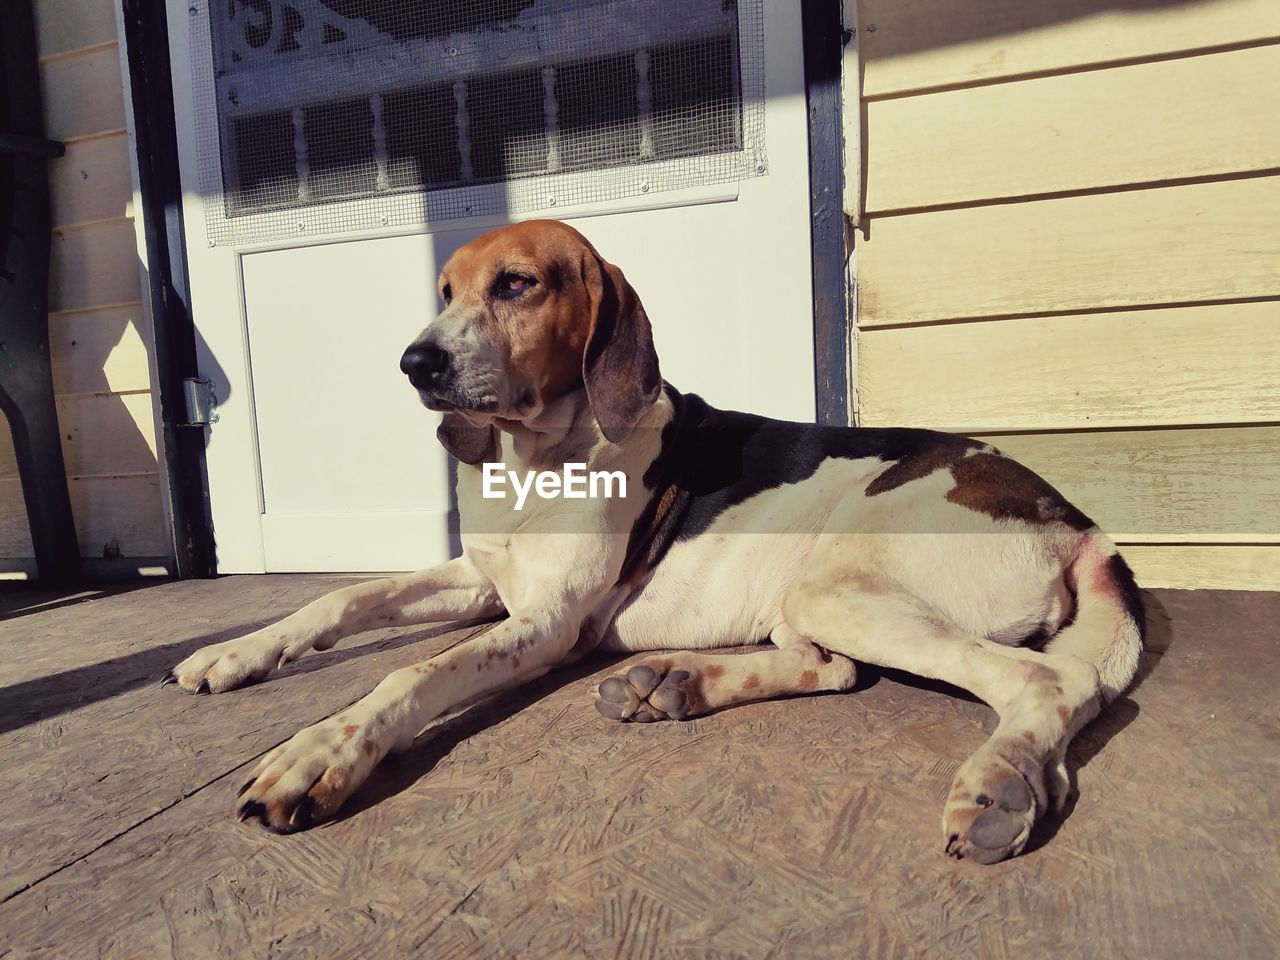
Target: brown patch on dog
{"x": 349, "y": 731}
{"x": 453, "y": 667}
{"x": 369, "y": 747}
{"x": 752, "y": 681}
{"x": 650, "y": 536}
{"x": 914, "y": 466}
{"x": 1028, "y": 736}
{"x": 1004, "y": 489}
{"x": 808, "y": 680}
{"x": 713, "y": 672}
{"x": 526, "y": 621}
{"x": 1039, "y": 673}
{"x": 1065, "y": 716}
{"x": 233, "y": 656}
{"x": 328, "y": 791}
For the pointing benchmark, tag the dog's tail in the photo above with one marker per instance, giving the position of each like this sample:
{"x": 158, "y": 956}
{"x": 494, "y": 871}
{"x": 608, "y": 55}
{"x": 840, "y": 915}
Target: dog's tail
{"x": 1110, "y": 620}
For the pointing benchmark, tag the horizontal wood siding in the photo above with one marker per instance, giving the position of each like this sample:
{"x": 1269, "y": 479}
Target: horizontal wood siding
{"x": 83, "y": 92}
{"x": 1184, "y": 244}
{"x": 1072, "y": 250}
{"x": 115, "y": 517}
{"x": 1133, "y": 368}
{"x": 93, "y": 266}
{"x": 913, "y": 45}
{"x": 100, "y": 351}
{"x": 98, "y": 341}
{"x": 1174, "y": 119}
{"x": 91, "y": 183}
{"x": 103, "y": 434}
{"x": 1197, "y": 567}
{"x": 1147, "y": 485}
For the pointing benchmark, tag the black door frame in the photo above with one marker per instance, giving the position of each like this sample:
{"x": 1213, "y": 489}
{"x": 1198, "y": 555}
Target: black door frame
{"x": 824, "y": 40}
{"x": 147, "y": 40}
{"x": 146, "y": 36}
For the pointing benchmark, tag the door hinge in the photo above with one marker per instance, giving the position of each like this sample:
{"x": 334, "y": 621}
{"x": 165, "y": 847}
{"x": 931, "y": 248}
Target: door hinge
{"x": 201, "y": 402}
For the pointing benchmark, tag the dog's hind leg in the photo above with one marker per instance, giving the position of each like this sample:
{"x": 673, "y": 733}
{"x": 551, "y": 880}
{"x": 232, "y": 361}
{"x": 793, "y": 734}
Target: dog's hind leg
{"x": 675, "y": 686}
{"x": 1042, "y": 698}
{"x": 452, "y": 591}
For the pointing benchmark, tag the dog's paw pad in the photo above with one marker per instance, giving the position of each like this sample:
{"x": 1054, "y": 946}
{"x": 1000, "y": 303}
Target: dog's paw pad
{"x": 643, "y": 695}
{"x": 995, "y": 824}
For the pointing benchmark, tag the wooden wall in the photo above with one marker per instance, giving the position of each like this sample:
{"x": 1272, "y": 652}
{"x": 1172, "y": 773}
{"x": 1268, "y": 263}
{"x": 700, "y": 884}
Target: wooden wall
{"x": 1071, "y": 247}
{"x": 96, "y": 323}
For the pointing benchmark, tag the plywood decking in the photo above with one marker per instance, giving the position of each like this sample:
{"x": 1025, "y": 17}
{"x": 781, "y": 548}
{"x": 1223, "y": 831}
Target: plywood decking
{"x": 530, "y": 827}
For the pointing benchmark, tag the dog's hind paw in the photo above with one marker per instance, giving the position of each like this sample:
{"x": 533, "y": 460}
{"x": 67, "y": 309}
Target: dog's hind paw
{"x": 643, "y": 694}
{"x": 992, "y": 807}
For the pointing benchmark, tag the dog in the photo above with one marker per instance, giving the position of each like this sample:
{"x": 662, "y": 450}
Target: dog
{"x": 926, "y": 552}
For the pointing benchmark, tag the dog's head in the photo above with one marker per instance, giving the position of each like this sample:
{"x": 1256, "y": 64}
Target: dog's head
{"x": 531, "y": 314}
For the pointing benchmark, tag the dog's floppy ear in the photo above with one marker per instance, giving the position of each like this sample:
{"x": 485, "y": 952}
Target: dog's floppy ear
{"x": 619, "y": 365}
{"x": 467, "y": 443}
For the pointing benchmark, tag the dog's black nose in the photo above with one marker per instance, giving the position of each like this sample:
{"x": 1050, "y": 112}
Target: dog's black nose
{"x": 424, "y": 363}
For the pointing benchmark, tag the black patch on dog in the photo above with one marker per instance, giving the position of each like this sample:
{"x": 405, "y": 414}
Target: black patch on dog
{"x": 717, "y": 459}
{"x": 1130, "y": 595}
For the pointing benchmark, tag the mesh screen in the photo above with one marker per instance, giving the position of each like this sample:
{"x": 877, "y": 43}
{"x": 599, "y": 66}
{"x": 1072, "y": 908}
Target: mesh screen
{"x": 319, "y": 116}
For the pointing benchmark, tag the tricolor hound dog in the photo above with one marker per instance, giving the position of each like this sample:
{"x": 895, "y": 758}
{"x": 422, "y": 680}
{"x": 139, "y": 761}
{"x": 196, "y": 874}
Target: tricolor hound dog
{"x": 921, "y": 551}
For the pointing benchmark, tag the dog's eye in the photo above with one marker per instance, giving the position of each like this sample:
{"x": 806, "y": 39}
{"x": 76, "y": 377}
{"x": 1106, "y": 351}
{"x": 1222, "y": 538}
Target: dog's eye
{"x": 511, "y": 285}
{"x": 446, "y": 294}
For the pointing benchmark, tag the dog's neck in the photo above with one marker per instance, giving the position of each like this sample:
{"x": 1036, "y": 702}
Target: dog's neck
{"x": 564, "y": 430}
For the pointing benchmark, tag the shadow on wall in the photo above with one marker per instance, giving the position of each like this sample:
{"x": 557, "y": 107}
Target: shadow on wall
{"x": 104, "y": 410}
{"x": 902, "y": 29}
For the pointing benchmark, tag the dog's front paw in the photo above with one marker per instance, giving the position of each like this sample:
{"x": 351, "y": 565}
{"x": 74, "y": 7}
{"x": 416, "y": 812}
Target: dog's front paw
{"x": 643, "y": 694}
{"x": 306, "y": 779}
{"x": 224, "y": 666}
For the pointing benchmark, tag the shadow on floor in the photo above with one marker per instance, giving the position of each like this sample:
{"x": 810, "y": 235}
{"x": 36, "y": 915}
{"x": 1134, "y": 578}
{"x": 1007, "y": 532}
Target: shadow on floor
{"x": 398, "y": 773}
{"x": 19, "y": 599}
{"x": 34, "y": 700}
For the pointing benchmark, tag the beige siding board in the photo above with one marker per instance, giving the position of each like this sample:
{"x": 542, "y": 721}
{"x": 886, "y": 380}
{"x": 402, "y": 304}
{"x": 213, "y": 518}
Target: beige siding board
{"x": 102, "y": 434}
{"x": 92, "y": 181}
{"x": 111, "y": 513}
{"x": 918, "y": 44}
{"x": 1205, "y": 568}
{"x": 1217, "y": 363}
{"x": 1127, "y": 125}
{"x": 83, "y": 94}
{"x": 1198, "y": 484}
{"x": 101, "y": 351}
{"x": 94, "y": 265}
{"x": 63, "y": 26}
{"x": 1167, "y": 245}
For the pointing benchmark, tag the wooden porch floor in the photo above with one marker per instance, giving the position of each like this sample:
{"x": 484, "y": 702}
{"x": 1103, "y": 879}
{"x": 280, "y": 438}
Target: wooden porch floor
{"x": 531, "y": 827}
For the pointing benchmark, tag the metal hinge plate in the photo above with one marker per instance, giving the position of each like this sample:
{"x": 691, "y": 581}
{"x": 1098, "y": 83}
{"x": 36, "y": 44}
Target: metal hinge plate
{"x": 201, "y": 402}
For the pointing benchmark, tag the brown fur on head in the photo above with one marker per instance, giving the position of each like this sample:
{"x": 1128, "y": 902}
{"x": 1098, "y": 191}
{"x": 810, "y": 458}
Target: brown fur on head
{"x": 531, "y": 314}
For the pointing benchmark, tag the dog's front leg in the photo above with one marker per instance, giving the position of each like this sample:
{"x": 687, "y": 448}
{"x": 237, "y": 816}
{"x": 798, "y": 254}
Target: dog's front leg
{"x": 456, "y": 590}
{"x": 307, "y": 778}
